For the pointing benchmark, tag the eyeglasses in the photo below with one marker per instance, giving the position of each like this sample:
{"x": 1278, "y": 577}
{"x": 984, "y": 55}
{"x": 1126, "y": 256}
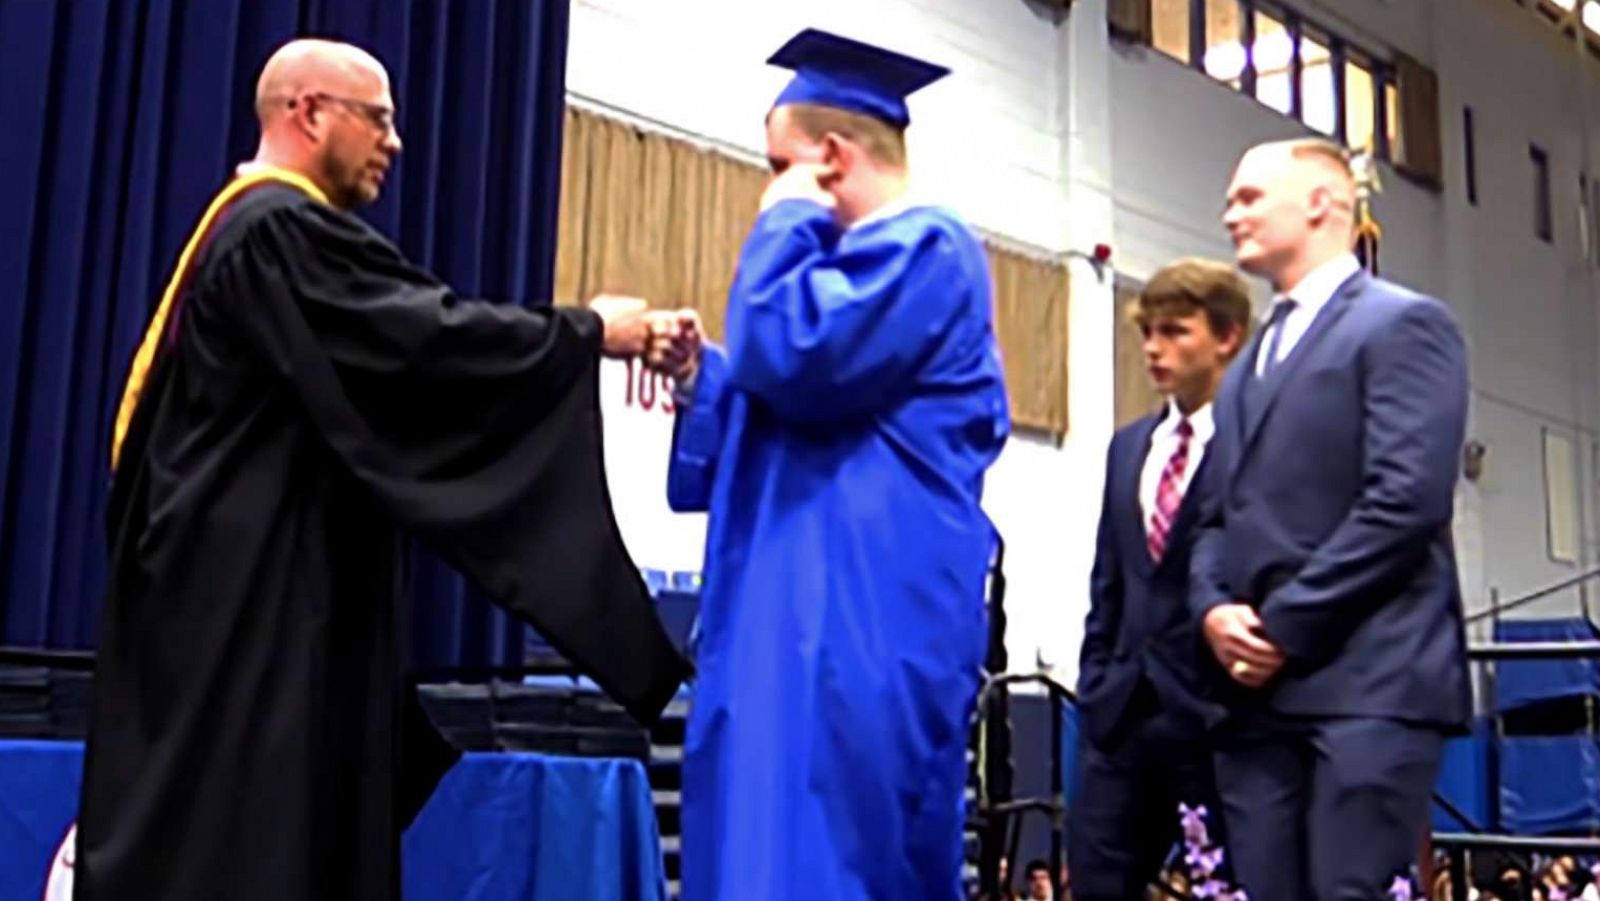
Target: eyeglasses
{"x": 377, "y": 115}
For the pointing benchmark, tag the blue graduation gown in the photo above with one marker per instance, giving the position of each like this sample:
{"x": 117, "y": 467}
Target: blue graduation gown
{"x": 839, "y": 444}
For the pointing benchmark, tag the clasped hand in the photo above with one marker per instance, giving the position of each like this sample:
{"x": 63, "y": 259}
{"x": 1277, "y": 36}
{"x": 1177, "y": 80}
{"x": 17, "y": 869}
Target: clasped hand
{"x": 1241, "y": 645}
{"x": 668, "y": 341}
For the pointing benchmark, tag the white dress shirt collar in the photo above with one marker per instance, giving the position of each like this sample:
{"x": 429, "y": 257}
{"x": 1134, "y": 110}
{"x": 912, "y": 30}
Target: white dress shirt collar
{"x": 1309, "y": 296}
{"x": 1318, "y": 287}
{"x": 1201, "y": 421}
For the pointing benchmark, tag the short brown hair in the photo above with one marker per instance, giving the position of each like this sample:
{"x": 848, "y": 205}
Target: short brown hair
{"x": 1191, "y": 285}
{"x": 882, "y": 141}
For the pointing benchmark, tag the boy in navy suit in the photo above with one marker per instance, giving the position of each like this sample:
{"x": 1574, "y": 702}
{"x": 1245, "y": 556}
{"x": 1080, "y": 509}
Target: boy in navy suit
{"x": 1323, "y": 573}
{"x": 1143, "y": 750}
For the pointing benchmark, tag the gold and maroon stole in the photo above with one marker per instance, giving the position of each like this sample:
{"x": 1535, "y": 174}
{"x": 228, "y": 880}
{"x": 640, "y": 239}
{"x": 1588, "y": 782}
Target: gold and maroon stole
{"x": 146, "y": 356}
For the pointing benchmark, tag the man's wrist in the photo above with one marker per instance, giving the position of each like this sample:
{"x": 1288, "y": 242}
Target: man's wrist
{"x": 683, "y": 386}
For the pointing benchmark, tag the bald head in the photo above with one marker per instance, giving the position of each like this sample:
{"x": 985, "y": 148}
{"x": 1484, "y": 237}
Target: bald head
{"x": 1290, "y": 208}
{"x": 311, "y": 65}
{"x": 326, "y": 112}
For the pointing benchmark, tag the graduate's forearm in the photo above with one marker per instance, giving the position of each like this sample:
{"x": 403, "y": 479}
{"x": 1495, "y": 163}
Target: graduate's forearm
{"x": 824, "y": 335}
{"x": 697, "y": 434}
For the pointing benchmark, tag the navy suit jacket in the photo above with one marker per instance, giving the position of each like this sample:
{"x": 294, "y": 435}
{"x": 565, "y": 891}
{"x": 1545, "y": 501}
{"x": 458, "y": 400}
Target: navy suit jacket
{"x": 1139, "y": 623}
{"x": 1329, "y": 510}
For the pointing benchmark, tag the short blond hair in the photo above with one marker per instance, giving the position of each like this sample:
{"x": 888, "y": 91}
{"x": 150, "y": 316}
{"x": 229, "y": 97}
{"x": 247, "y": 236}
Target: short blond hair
{"x": 1321, "y": 149}
{"x": 883, "y": 142}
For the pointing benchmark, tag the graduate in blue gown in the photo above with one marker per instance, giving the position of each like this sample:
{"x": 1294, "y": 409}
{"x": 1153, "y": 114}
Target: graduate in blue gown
{"x": 839, "y": 443}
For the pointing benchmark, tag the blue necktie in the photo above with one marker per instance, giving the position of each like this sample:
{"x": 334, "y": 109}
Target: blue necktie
{"x": 1280, "y": 313}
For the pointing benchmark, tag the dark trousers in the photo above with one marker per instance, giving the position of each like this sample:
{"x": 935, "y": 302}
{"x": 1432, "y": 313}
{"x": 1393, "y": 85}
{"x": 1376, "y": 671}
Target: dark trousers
{"x": 1324, "y": 809}
{"x": 1124, "y": 820}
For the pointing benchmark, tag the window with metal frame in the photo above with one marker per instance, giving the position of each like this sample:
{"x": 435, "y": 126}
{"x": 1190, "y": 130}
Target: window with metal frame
{"x": 1287, "y": 62}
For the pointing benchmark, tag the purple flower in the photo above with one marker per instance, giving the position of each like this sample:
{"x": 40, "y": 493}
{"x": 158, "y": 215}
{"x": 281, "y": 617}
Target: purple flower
{"x": 1203, "y": 858}
{"x": 1204, "y": 861}
{"x": 1400, "y": 889}
{"x": 1194, "y": 824}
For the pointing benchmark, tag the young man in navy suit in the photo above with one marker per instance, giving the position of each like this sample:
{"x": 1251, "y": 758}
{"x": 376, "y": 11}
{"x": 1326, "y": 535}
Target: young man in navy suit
{"x": 1142, "y": 730}
{"x": 1324, "y": 574}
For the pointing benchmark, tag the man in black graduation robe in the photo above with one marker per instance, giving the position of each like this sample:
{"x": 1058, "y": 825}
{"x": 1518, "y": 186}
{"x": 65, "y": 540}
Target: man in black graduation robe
{"x": 304, "y": 400}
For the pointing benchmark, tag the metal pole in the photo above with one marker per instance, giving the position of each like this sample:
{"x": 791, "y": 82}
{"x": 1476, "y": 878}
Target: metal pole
{"x": 1496, "y": 607}
{"x": 1458, "y": 875}
{"x": 1492, "y": 708}
{"x": 67, "y": 660}
{"x": 1534, "y": 650}
{"x": 1542, "y": 844}
{"x": 1058, "y": 816}
{"x": 1466, "y": 822}
{"x": 1581, "y": 84}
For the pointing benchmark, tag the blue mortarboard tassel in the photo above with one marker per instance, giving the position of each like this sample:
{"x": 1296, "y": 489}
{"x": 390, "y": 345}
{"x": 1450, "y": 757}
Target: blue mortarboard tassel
{"x": 846, "y": 74}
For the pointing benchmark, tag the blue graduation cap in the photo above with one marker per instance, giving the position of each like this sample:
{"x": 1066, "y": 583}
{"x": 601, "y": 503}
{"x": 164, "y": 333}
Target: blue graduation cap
{"x": 838, "y": 72}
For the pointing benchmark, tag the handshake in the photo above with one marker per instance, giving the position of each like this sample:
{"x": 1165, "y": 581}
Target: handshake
{"x": 668, "y": 341}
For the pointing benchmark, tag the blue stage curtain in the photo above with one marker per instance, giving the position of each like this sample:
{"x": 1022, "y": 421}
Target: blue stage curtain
{"x": 1550, "y": 784}
{"x": 1522, "y": 683}
{"x": 121, "y": 121}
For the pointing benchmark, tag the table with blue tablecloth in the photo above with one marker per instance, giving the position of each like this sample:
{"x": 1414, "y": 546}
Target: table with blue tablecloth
{"x": 500, "y": 827}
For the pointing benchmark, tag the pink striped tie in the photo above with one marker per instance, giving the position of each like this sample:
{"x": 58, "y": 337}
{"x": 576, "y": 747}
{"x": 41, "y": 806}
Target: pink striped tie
{"x": 1169, "y": 494}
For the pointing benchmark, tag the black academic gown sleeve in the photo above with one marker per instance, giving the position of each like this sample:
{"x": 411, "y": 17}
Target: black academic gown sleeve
{"x": 476, "y": 424}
